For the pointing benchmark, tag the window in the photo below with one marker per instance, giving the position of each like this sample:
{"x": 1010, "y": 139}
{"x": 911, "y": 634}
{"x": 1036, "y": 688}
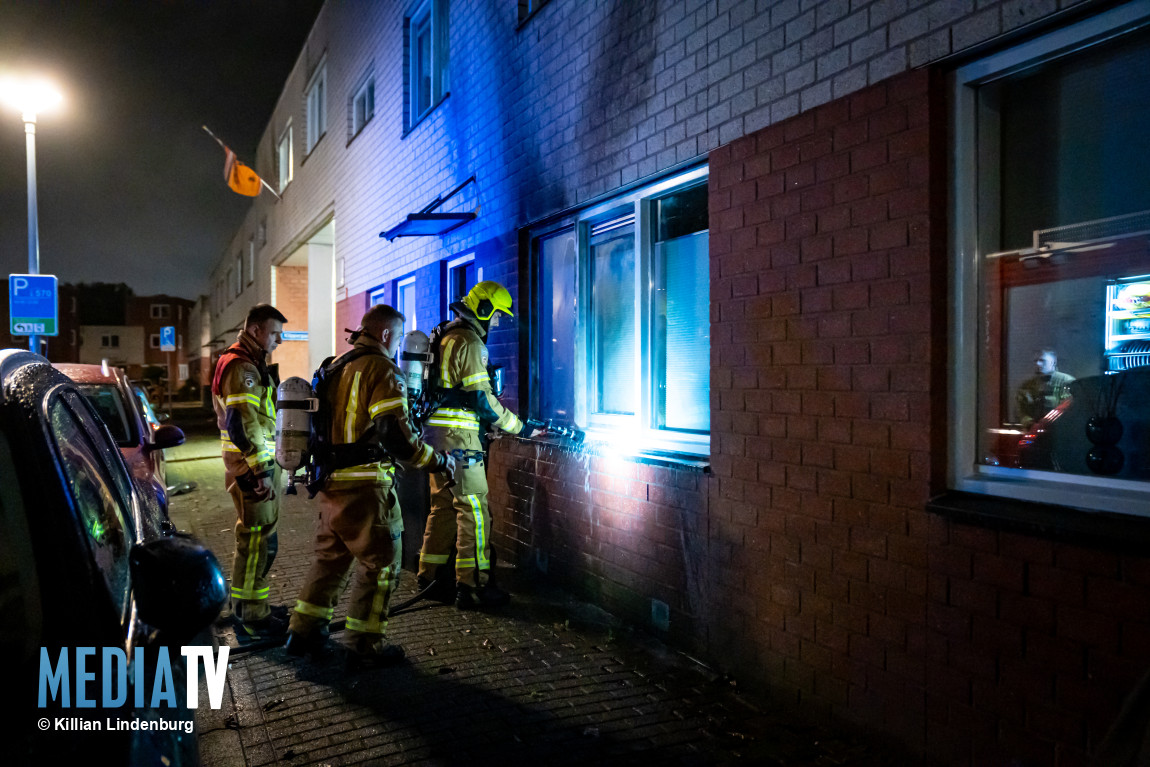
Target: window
{"x": 1053, "y": 268}
{"x": 426, "y": 59}
{"x": 460, "y": 279}
{"x": 251, "y": 260}
{"x": 284, "y": 159}
{"x": 340, "y": 272}
{"x": 317, "y": 107}
{"x": 263, "y": 232}
{"x": 363, "y": 105}
{"x": 378, "y": 296}
{"x": 405, "y": 300}
{"x": 239, "y": 286}
{"x": 622, "y": 333}
{"x": 230, "y": 282}
{"x": 154, "y": 341}
{"x": 182, "y": 371}
{"x": 160, "y": 311}
{"x": 527, "y": 8}
{"x": 110, "y": 341}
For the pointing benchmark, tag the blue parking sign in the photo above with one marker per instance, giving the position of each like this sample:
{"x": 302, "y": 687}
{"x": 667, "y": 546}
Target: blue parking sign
{"x": 168, "y": 338}
{"x": 32, "y": 305}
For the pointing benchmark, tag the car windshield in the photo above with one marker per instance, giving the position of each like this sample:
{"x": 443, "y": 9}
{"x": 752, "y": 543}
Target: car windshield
{"x": 110, "y": 405}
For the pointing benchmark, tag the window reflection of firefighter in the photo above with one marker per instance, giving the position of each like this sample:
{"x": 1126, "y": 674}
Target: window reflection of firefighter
{"x": 1043, "y": 391}
{"x": 243, "y": 395}
{"x": 465, "y": 399}
{"x": 360, "y": 520}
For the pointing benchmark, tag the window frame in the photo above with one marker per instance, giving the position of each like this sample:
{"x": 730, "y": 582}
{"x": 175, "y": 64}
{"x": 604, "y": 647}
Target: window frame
{"x": 315, "y": 100}
{"x": 251, "y": 260}
{"x": 159, "y": 311}
{"x": 410, "y": 322}
{"x": 969, "y": 249}
{"x": 365, "y": 88}
{"x": 285, "y": 165}
{"x": 154, "y": 341}
{"x": 640, "y": 435}
{"x": 434, "y": 12}
{"x": 450, "y": 266}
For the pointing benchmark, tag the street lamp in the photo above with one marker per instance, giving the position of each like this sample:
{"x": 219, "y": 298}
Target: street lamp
{"x": 31, "y": 97}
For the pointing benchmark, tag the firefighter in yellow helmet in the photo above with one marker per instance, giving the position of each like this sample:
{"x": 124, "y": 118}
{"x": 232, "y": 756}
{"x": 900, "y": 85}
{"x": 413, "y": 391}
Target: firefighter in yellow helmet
{"x": 360, "y": 521}
{"x": 459, "y": 503}
{"x": 243, "y": 395}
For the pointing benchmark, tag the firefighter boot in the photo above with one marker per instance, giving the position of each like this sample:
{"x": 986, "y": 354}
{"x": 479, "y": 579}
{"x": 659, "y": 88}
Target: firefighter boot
{"x": 479, "y": 598}
{"x": 439, "y": 591}
{"x": 314, "y": 644}
{"x": 368, "y": 654}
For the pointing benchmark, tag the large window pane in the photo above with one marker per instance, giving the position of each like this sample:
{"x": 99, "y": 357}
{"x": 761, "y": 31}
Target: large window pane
{"x": 558, "y": 264}
{"x": 681, "y": 334}
{"x": 1063, "y": 373}
{"x": 613, "y": 318}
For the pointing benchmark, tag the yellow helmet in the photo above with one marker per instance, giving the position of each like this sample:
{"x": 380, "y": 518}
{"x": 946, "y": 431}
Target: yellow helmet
{"x": 487, "y": 298}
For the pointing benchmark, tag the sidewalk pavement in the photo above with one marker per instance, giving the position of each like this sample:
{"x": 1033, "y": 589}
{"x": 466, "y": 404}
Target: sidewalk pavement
{"x": 548, "y": 680}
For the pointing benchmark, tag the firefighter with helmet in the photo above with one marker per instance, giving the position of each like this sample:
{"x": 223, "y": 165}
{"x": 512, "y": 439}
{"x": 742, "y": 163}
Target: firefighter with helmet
{"x": 360, "y": 521}
{"x": 243, "y": 396}
{"x": 459, "y": 503}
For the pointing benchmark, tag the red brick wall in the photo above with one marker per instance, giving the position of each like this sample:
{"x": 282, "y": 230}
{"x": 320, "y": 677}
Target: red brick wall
{"x": 348, "y": 313}
{"x": 807, "y": 561}
{"x": 291, "y": 300}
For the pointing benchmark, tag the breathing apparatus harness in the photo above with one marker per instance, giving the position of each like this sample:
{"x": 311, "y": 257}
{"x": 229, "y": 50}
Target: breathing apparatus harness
{"x": 324, "y": 456}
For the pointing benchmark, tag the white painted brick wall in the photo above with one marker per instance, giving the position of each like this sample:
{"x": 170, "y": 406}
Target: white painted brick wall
{"x": 587, "y": 96}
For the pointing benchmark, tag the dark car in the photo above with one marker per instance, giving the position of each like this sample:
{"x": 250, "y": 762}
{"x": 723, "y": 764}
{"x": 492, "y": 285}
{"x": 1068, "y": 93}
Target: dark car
{"x": 86, "y": 562}
{"x": 111, "y": 393}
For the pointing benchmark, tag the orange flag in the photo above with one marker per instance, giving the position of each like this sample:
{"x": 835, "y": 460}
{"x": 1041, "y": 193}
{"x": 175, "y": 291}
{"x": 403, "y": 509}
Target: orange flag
{"x": 242, "y": 179}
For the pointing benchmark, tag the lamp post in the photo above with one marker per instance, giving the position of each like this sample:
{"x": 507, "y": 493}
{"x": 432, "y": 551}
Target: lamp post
{"x": 30, "y": 97}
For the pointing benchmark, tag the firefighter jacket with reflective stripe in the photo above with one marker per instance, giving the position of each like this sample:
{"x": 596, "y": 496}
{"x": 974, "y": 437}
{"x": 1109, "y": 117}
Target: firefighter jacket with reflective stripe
{"x": 368, "y": 389}
{"x": 243, "y": 395}
{"x": 463, "y": 365}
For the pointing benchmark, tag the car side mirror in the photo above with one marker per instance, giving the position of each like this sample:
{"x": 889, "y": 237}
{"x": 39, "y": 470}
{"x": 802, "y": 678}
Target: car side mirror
{"x": 178, "y": 583}
{"x": 166, "y": 436}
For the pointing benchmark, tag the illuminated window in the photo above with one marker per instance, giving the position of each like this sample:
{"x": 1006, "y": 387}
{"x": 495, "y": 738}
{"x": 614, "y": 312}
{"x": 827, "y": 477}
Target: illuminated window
{"x": 426, "y": 69}
{"x": 284, "y": 159}
{"x": 363, "y": 105}
{"x": 317, "y": 106}
{"x": 1052, "y": 349}
{"x": 622, "y": 332}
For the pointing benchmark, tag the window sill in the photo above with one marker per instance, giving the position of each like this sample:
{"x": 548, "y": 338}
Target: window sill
{"x": 665, "y": 458}
{"x": 311, "y": 151}
{"x": 1121, "y": 532}
{"x": 430, "y": 111}
{"x": 362, "y": 128}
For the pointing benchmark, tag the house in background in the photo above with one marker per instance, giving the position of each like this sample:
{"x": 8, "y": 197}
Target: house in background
{"x": 789, "y": 264}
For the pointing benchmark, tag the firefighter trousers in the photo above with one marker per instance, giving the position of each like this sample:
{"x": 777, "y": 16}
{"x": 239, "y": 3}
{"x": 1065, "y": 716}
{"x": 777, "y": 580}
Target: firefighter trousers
{"x": 256, "y": 544}
{"x": 458, "y": 512}
{"x": 364, "y": 527}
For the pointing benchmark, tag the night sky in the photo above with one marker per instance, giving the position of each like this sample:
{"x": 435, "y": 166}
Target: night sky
{"x": 130, "y": 188}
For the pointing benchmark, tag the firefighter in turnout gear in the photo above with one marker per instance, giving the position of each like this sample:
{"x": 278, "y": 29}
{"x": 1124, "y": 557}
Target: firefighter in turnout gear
{"x": 243, "y": 395}
{"x": 459, "y": 502}
{"x": 360, "y": 520}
